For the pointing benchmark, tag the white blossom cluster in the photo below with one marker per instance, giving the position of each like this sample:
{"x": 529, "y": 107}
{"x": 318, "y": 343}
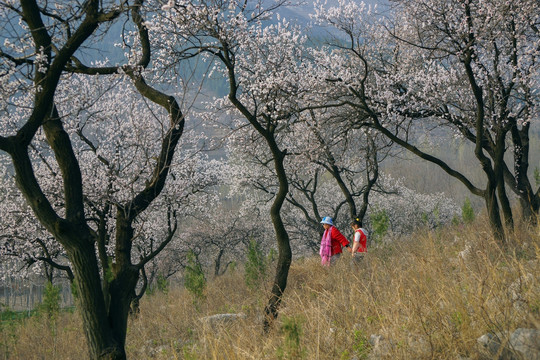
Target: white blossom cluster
{"x": 116, "y": 136}
{"x": 424, "y": 66}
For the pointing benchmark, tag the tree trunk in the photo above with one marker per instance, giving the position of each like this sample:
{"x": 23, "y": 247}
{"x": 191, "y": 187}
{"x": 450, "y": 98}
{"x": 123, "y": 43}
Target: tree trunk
{"x": 372, "y": 167}
{"x": 530, "y": 205}
{"x": 505, "y": 206}
{"x": 125, "y": 277}
{"x": 282, "y": 237}
{"x": 122, "y": 290}
{"x": 491, "y": 201}
{"x": 217, "y": 263}
{"x": 494, "y": 214}
{"x": 520, "y": 183}
{"x": 529, "y": 200}
{"x": 101, "y": 341}
{"x": 498, "y": 169}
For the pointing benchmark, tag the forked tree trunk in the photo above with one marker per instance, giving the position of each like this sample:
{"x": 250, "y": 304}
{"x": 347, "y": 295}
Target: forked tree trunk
{"x": 494, "y": 214}
{"x": 102, "y": 343}
{"x": 105, "y": 321}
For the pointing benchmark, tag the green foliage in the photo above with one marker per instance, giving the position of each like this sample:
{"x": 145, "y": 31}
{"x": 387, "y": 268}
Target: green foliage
{"x": 194, "y": 279}
{"x": 255, "y": 268}
{"x": 467, "y": 212}
{"x": 361, "y": 346}
{"x": 51, "y": 301}
{"x": 292, "y": 332}
{"x": 433, "y": 218}
{"x": 228, "y": 309}
{"x": 7, "y": 314}
{"x": 109, "y": 275}
{"x": 8, "y": 337}
{"x": 457, "y": 319}
{"x": 380, "y": 222}
{"x": 537, "y": 176}
{"x": 272, "y": 256}
{"x": 437, "y": 215}
{"x": 425, "y": 218}
{"x": 162, "y": 284}
{"x": 189, "y": 353}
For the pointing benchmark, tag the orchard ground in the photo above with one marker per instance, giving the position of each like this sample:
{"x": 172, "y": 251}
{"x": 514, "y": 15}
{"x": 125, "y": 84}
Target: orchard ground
{"x": 431, "y": 295}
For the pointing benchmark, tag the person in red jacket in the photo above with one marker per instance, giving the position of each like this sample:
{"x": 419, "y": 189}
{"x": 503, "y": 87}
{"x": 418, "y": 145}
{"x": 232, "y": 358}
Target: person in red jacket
{"x": 331, "y": 243}
{"x": 359, "y": 248}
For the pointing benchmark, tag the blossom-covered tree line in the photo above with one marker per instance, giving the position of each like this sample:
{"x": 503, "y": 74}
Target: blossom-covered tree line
{"x": 103, "y": 183}
{"x": 465, "y": 68}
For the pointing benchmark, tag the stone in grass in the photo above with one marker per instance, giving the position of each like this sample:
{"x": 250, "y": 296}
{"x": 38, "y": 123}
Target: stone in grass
{"x": 521, "y": 344}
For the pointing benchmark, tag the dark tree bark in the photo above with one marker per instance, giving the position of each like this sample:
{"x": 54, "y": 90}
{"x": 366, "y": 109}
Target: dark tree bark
{"x": 282, "y": 237}
{"x": 267, "y": 129}
{"x": 529, "y": 199}
{"x": 372, "y": 175}
{"x": 104, "y": 303}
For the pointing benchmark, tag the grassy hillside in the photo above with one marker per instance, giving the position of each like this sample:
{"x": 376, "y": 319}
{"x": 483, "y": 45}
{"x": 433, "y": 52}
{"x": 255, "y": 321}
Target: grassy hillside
{"x": 429, "y": 296}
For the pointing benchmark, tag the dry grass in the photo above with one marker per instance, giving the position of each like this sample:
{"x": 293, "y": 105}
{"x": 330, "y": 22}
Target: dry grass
{"x": 39, "y": 337}
{"x": 429, "y": 300}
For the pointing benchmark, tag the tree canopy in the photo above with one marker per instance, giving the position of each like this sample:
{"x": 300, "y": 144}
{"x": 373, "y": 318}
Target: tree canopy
{"x": 223, "y": 121}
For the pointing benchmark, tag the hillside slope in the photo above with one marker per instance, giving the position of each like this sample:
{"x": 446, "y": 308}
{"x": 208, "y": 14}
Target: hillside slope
{"x": 430, "y": 296}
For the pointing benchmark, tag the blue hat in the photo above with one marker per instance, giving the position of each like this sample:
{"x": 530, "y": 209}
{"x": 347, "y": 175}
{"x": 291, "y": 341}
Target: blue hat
{"x": 327, "y": 220}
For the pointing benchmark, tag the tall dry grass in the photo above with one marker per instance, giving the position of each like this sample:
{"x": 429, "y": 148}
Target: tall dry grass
{"x": 430, "y": 296}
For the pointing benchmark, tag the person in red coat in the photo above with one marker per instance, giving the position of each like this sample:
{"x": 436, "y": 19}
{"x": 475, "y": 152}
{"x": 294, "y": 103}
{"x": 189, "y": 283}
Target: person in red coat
{"x": 359, "y": 248}
{"x": 332, "y": 242}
